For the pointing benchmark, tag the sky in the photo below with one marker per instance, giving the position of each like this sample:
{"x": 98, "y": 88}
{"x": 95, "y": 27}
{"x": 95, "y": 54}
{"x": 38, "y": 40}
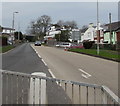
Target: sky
{"x": 81, "y": 12}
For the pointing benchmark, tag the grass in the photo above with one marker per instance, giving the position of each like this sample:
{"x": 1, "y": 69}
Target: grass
{"x": 103, "y": 53}
{"x": 6, "y": 48}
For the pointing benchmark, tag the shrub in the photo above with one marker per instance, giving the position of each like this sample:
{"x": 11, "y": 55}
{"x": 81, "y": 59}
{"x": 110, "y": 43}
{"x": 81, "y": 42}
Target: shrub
{"x": 105, "y": 46}
{"x": 88, "y": 44}
{"x": 3, "y": 41}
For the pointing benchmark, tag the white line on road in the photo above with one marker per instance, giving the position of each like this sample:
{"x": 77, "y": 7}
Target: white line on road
{"x": 51, "y": 73}
{"x": 85, "y": 74}
{"x": 44, "y": 62}
{"x": 53, "y": 76}
{"x": 39, "y": 55}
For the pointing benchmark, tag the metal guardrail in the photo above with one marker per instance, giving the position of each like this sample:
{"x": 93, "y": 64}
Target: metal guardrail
{"x": 15, "y": 88}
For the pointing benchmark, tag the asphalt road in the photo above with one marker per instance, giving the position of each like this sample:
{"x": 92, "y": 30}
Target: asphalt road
{"x": 78, "y": 67}
{"x": 24, "y": 59}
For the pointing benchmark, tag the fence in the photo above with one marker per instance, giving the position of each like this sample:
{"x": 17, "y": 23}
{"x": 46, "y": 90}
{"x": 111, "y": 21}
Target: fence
{"x": 15, "y": 88}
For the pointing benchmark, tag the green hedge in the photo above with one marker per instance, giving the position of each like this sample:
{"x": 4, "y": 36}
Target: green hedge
{"x": 105, "y": 46}
{"x": 3, "y": 41}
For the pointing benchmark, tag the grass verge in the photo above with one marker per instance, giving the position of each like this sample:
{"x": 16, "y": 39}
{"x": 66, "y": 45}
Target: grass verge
{"x": 108, "y": 54}
{"x": 4, "y": 49}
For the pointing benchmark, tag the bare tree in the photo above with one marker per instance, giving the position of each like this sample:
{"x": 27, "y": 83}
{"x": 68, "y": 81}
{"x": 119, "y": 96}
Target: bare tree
{"x": 60, "y": 23}
{"x": 39, "y": 27}
{"x": 44, "y": 21}
{"x": 70, "y": 24}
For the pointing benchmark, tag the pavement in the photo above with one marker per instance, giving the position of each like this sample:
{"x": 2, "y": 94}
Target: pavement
{"x": 24, "y": 59}
{"x": 78, "y": 67}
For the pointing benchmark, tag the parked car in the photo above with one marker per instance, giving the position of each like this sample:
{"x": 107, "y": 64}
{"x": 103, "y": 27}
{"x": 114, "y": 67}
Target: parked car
{"x": 76, "y": 46}
{"x": 57, "y": 45}
{"x": 37, "y": 43}
{"x": 65, "y": 45}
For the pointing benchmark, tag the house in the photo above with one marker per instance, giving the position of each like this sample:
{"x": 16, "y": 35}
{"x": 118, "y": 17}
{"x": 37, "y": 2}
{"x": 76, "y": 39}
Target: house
{"x": 8, "y": 32}
{"x": 52, "y": 31}
{"x": 118, "y": 34}
{"x": 90, "y": 33}
{"x": 99, "y": 34}
{"x": 114, "y": 33}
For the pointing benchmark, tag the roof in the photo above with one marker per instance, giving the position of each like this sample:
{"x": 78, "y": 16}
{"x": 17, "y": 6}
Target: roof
{"x": 83, "y": 30}
{"x": 114, "y": 26}
{"x": 118, "y": 30}
{"x": 7, "y": 28}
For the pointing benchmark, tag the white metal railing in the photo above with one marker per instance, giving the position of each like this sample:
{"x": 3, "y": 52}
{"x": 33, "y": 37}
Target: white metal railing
{"x": 15, "y": 88}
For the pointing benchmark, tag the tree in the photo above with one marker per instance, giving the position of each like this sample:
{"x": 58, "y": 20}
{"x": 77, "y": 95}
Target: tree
{"x": 18, "y": 35}
{"x": 71, "y": 24}
{"x": 67, "y": 24}
{"x": 45, "y": 21}
{"x": 39, "y": 27}
{"x": 0, "y": 29}
{"x": 60, "y": 23}
{"x": 64, "y": 36}
{"x": 57, "y": 37}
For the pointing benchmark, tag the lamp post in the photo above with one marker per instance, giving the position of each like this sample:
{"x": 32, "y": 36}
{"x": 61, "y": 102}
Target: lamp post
{"x": 13, "y": 25}
{"x": 14, "y": 19}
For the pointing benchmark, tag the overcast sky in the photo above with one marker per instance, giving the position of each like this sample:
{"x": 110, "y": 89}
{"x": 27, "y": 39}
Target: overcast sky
{"x": 82, "y": 12}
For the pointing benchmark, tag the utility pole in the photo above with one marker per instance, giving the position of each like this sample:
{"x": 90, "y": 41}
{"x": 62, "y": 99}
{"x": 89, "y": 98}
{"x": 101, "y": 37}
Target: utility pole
{"x": 110, "y": 28}
{"x": 98, "y": 51}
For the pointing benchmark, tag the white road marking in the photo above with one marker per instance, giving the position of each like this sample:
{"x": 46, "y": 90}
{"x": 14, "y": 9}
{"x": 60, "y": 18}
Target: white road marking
{"x": 39, "y": 55}
{"x": 85, "y": 74}
{"x": 53, "y": 76}
{"x": 51, "y": 73}
{"x": 44, "y": 62}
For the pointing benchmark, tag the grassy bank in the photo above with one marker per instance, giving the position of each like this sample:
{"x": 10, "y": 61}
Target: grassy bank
{"x": 6, "y": 48}
{"x": 103, "y": 53}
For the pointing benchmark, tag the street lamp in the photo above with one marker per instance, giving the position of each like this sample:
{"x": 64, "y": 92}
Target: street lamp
{"x": 13, "y": 25}
{"x": 13, "y": 19}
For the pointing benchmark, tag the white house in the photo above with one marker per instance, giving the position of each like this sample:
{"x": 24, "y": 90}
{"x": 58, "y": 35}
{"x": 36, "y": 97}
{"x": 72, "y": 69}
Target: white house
{"x": 52, "y": 31}
{"x": 90, "y": 33}
{"x": 8, "y": 32}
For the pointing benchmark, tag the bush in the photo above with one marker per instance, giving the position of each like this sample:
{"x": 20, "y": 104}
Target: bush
{"x": 88, "y": 44}
{"x": 3, "y": 41}
{"x": 105, "y": 46}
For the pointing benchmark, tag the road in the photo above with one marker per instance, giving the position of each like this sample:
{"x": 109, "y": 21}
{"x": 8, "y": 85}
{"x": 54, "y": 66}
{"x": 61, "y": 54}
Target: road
{"x": 24, "y": 59}
{"x": 78, "y": 67}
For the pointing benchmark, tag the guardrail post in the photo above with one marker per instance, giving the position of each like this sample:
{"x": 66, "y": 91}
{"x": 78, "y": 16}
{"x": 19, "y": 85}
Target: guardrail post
{"x": 107, "y": 91}
{"x": 37, "y": 92}
{"x": 1, "y": 87}
{"x": 104, "y": 98}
